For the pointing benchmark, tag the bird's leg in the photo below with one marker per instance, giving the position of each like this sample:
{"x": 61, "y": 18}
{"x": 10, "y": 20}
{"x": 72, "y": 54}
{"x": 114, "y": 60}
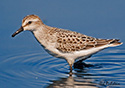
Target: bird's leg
{"x": 80, "y": 64}
{"x": 70, "y": 62}
{"x": 70, "y": 73}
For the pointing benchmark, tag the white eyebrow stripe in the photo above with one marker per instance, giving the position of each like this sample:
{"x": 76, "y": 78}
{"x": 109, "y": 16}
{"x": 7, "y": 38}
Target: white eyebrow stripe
{"x": 27, "y": 20}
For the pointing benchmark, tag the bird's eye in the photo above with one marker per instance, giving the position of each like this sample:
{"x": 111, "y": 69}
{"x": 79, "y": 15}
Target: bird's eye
{"x": 29, "y": 22}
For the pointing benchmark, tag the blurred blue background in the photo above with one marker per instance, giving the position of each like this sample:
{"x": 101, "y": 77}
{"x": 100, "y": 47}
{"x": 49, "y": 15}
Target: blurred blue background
{"x": 97, "y": 18}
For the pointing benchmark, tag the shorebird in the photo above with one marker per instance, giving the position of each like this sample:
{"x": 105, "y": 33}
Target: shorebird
{"x": 63, "y": 43}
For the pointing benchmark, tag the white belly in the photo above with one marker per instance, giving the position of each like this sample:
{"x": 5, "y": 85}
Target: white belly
{"x": 76, "y": 54}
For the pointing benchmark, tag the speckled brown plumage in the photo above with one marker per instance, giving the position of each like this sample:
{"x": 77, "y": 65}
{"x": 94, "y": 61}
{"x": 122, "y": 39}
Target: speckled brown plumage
{"x": 68, "y": 41}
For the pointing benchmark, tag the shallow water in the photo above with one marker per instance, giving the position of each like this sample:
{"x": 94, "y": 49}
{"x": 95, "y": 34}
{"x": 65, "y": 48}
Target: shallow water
{"x": 39, "y": 70}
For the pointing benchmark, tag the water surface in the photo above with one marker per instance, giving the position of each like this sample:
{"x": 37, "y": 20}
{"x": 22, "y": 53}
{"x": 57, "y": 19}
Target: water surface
{"x": 38, "y": 70}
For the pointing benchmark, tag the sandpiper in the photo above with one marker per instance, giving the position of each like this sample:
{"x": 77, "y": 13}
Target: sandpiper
{"x": 63, "y": 43}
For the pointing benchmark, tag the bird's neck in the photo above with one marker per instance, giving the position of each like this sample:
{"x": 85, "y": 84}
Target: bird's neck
{"x": 40, "y": 34}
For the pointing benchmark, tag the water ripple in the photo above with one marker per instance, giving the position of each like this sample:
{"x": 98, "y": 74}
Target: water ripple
{"x": 38, "y": 69}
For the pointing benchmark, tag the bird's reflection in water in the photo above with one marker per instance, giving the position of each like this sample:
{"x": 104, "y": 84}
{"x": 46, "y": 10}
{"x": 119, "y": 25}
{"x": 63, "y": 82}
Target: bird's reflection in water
{"x": 76, "y": 80}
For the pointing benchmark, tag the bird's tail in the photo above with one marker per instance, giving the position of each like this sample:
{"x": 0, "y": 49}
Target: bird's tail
{"x": 114, "y": 42}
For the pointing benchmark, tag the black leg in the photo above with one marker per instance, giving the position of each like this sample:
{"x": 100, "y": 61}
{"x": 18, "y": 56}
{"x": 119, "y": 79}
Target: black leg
{"x": 80, "y": 64}
{"x": 70, "y": 73}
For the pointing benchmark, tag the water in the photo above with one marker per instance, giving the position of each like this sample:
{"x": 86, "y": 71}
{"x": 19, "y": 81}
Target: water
{"x": 38, "y": 70}
{"x": 24, "y": 63}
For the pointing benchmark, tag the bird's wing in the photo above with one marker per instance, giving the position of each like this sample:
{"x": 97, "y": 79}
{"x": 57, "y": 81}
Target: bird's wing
{"x": 68, "y": 41}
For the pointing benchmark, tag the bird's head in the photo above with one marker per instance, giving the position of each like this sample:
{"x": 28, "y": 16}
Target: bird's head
{"x": 30, "y": 23}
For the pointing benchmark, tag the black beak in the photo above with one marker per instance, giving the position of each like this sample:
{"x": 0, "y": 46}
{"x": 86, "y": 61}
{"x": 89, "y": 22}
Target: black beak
{"x": 18, "y": 31}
